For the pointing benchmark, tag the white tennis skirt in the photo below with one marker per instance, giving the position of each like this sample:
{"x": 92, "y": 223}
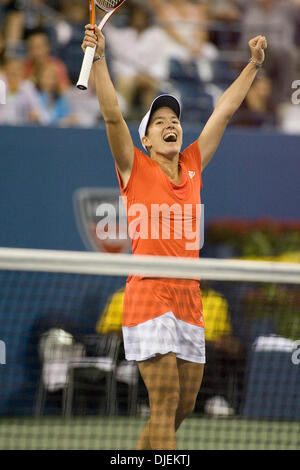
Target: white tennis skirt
{"x": 162, "y": 335}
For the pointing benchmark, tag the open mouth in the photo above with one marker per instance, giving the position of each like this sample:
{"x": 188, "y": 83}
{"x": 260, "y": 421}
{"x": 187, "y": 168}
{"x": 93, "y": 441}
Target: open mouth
{"x": 170, "y": 137}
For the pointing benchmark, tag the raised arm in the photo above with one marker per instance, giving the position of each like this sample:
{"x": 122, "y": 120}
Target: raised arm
{"x": 229, "y": 102}
{"x": 118, "y": 134}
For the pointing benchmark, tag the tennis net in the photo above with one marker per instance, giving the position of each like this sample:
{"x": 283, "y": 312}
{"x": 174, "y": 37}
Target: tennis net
{"x": 64, "y": 380}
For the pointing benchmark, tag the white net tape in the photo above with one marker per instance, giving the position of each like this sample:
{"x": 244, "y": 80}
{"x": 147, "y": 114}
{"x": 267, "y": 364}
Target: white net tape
{"x": 154, "y": 266}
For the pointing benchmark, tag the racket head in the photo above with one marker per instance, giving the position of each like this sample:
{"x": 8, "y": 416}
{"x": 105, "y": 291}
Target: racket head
{"x": 108, "y": 5}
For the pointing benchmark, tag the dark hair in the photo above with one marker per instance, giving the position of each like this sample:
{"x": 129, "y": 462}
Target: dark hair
{"x": 36, "y": 32}
{"x": 137, "y": 6}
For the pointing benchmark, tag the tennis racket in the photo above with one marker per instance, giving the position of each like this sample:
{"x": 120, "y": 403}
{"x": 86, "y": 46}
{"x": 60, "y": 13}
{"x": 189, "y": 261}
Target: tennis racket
{"x": 109, "y": 7}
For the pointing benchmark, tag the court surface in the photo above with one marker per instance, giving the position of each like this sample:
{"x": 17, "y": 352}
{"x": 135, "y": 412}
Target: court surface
{"x": 121, "y": 433}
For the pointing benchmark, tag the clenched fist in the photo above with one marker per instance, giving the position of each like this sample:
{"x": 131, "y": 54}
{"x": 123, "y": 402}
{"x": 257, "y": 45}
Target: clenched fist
{"x": 257, "y": 46}
{"x": 93, "y": 38}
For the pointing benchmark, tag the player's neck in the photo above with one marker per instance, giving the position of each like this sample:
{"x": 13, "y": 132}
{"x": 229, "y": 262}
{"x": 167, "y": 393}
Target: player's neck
{"x": 169, "y": 165}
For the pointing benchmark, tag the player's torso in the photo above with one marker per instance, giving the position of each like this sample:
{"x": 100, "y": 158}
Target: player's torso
{"x": 163, "y": 217}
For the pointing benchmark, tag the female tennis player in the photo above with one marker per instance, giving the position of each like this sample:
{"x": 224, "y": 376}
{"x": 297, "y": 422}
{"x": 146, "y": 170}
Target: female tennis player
{"x": 163, "y": 327}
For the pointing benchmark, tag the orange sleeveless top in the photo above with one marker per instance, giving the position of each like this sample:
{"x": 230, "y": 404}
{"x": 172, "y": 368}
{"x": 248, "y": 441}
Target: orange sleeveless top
{"x": 164, "y": 218}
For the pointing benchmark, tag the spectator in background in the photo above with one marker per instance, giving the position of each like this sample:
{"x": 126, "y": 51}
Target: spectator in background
{"x": 39, "y": 13}
{"x": 13, "y": 24}
{"x": 227, "y": 14}
{"x": 258, "y": 108}
{"x": 185, "y": 23}
{"x": 84, "y": 105}
{"x": 54, "y": 103}
{"x": 2, "y": 52}
{"x": 38, "y": 56}
{"x": 68, "y": 34}
{"x": 225, "y": 10}
{"x": 23, "y": 16}
{"x": 22, "y": 104}
{"x": 134, "y": 79}
{"x": 277, "y": 19}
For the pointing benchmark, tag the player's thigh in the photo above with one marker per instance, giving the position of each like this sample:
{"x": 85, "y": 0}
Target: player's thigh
{"x": 160, "y": 375}
{"x": 190, "y": 378}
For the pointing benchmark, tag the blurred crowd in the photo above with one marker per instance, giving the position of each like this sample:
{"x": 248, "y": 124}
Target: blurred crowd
{"x": 191, "y": 48}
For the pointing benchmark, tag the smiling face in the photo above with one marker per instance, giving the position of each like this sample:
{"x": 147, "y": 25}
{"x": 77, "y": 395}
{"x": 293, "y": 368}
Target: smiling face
{"x": 164, "y": 133}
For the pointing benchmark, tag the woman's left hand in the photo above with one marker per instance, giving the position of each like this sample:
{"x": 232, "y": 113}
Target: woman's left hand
{"x": 257, "y": 46}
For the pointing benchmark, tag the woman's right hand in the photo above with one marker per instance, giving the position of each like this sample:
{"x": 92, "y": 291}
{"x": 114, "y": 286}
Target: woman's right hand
{"x": 93, "y": 37}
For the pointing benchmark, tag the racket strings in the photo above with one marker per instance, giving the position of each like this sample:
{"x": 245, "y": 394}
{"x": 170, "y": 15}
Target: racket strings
{"x": 108, "y": 4}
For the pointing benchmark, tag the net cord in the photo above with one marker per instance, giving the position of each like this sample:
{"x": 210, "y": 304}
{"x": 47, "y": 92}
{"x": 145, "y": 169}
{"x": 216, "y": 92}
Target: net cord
{"x": 19, "y": 259}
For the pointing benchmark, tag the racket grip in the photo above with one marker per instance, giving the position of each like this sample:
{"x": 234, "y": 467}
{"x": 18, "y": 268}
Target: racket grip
{"x": 86, "y": 68}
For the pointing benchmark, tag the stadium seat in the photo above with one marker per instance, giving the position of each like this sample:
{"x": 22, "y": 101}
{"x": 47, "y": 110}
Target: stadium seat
{"x": 95, "y": 373}
{"x": 197, "y": 103}
{"x": 65, "y": 366}
{"x": 56, "y": 347}
{"x": 223, "y": 75}
{"x": 197, "y": 107}
{"x": 183, "y": 72}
